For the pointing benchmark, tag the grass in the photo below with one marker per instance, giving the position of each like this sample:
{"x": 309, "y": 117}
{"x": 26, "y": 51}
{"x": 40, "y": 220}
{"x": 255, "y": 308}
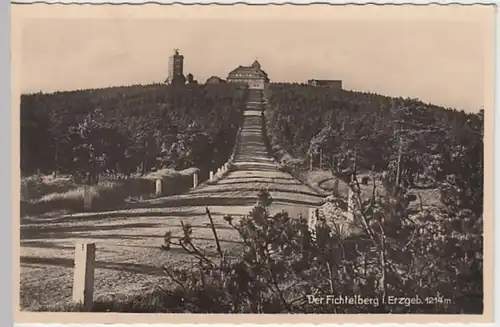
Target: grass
{"x": 42, "y": 194}
{"x": 36, "y": 186}
{"x": 128, "y": 251}
{"x": 156, "y": 301}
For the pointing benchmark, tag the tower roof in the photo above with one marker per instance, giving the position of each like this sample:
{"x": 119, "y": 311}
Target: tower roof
{"x": 256, "y": 64}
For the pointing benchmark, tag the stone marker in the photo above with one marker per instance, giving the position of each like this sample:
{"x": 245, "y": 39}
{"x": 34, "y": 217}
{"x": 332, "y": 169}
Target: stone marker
{"x": 195, "y": 180}
{"x": 211, "y": 175}
{"x": 218, "y": 171}
{"x": 83, "y": 279}
{"x": 159, "y": 187}
{"x": 87, "y": 198}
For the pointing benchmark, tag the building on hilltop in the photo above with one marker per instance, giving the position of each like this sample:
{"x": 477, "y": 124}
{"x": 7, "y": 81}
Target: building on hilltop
{"x": 176, "y": 69}
{"x": 335, "y": 84}
{"x": 190, "y": 79}
{"x": 215, "y": 80}
{"x": 253, "y": 76}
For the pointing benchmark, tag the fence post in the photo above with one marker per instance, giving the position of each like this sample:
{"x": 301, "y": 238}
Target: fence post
{"x": 87, "y": 198}
{"x": 83, "y": 279}
{"x": 159, "y": 187}
{"x": 195, "y": 180}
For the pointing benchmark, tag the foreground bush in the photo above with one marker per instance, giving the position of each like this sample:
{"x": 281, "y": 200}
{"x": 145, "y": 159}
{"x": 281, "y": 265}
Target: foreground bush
{"x": 387, "y": 251}
{"x": 386, "y": 259}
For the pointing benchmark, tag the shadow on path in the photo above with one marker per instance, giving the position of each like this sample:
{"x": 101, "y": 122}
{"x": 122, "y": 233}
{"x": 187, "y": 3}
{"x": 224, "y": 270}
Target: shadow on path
{"x": 127, "y": 267}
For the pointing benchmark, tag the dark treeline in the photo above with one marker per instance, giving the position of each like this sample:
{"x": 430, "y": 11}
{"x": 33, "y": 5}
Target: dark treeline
{"x": 433, "y": 145}
{"x": 129, "y": 129}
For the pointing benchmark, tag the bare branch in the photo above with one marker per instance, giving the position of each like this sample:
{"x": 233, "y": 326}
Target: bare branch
{"x": 167, "y": 271}
{"x": 214, "y": 231}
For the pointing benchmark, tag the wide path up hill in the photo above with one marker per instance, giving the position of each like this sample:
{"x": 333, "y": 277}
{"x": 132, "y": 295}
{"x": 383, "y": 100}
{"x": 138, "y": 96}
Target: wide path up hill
{"x": 128, "y": 242}
{"x": 254, "y": 169}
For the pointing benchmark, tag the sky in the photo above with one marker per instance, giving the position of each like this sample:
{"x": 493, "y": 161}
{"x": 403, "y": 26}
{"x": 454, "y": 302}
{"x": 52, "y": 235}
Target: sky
{"x": 437, "y": 56}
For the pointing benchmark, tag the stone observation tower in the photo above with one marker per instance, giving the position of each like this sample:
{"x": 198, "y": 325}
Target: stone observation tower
{"x": 176, "y": 68}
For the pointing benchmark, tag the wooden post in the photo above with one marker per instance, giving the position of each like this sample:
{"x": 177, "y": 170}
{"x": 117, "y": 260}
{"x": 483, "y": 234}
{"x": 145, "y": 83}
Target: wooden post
{"x": 334, "y": 167}
{"x": 398, "y": 171}
{"x": 87, "y": 198}
{"x": 335, "y": 190}
{"x": 159, "y": 187}
{"x": 350, "y": 204}
{"x": 195, "y": 180}
{"x": 310, "y": 161}
{"x": 312, "y": 219}
{"x": 354, "y": 165}
{"x": 320, "y": 159}
{"x": 83, "y": 280}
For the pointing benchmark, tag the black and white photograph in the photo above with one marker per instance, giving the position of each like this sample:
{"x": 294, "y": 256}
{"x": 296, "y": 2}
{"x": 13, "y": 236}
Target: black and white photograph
{"x": 243, "y": 159}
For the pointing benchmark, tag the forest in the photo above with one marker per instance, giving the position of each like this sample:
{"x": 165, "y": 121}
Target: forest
{"x": 396, "y": 255}
{"x": 399, "y": 248}
{"x": 129, "y": 129}
{"x": 432, "y": 146}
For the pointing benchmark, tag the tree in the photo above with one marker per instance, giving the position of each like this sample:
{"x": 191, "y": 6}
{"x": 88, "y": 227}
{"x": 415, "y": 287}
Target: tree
{"x": 95, "y": 146}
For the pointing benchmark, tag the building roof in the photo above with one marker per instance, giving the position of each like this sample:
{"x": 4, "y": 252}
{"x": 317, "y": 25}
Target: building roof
{"x": 324, "y": 80}
{"x": 249, "y": 69}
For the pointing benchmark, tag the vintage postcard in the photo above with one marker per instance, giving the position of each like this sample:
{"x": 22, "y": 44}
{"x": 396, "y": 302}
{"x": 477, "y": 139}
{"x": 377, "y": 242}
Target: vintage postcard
{"x": 333, "y": 162}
